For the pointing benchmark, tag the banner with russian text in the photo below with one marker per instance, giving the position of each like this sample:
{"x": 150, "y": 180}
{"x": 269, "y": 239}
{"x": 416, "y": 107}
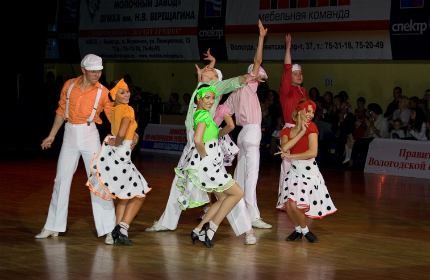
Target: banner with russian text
{"x": 164, "y": 138}
{"x": 399, "y": 157}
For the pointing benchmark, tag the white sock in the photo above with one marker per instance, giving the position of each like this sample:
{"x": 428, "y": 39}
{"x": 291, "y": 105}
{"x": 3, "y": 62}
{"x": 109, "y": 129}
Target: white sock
{"x": 201, "y": 235}
{"x": 212, "y": 229}
{"x": 298, "y": 229}
{"x": 250, "y": 231}
{"x": 124, "y": 228}
{"x": 305, "y": 230}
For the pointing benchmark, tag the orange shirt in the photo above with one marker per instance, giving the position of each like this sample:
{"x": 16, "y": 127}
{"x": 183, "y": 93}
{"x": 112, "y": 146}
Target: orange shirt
{"x": 118, "y": 113}
{"x": 81, "y": 103}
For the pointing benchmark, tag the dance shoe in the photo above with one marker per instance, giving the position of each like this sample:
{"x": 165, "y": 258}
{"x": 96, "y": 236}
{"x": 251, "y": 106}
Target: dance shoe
{"x": 123, "y": 239}
{"x": 156, "y": 227}
{"x": 47, "y": 233}
{"x": 250, "y": 238}
{"x": 260, "y": 224}
{"x": 294, "y": 236}
{"x": 312, "y": 238}
{"x": 109, "y": 239}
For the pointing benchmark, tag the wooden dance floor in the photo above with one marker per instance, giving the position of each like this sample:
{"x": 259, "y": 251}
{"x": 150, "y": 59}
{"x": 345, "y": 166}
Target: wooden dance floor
{"x": 380, "y": 231}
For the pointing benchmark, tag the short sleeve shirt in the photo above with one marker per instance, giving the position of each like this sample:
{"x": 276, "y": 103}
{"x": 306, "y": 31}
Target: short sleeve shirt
{"x": 211, "y": 131}
{"x": 118, "y": 113}
{"x": 303, "y": 144}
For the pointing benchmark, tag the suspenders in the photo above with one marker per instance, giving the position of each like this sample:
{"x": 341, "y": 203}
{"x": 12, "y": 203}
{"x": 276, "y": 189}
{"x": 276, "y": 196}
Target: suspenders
{"x": 96, "y": 103}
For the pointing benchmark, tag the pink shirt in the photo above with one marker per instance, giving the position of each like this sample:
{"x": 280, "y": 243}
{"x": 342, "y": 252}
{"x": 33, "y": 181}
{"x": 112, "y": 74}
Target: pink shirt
{"x": 220, "y": 113}
{"x": 245, "y": 105}
{"x": 290, "y": 95}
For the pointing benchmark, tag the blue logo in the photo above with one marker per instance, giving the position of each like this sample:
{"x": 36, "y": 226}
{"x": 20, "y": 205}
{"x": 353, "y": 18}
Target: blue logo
{"x": 213, "y": 8}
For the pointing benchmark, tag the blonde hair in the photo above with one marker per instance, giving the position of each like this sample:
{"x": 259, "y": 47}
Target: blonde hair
{"x": 404, "y": 100}
{"x": 295, "y": 113}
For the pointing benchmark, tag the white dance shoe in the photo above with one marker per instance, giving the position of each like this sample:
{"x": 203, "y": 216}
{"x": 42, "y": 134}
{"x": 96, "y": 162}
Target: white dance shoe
{"x": 109, "y": 239}
{"x": 46, "y": 233}
{"x": 250, "y": 238}
{"x": 156, "y": 227}
{"x": 260, "y": 224}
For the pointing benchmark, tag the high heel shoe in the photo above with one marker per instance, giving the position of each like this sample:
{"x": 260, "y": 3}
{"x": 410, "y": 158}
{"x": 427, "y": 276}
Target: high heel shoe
{"x": 116, "y": 232}
{"x": 123, "y": 239}
{"x": 208, "y": 243}
{"x": 194, "y": 237}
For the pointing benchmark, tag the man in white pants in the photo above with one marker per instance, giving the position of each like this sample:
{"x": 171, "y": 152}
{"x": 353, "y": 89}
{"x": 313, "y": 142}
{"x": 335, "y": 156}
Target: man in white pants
{"x": 81, "y": 102}
{"x": 246, "y": 107}
{"x": 290, "y": 93}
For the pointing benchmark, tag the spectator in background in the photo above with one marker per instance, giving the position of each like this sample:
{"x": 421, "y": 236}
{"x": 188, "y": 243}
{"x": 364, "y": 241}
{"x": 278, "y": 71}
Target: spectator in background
{"x": 262, "y": 91}
{"x": 273, "y": 105}
{"x": 328, "y": 96}
{"x": 426, "y": 96}
{"x": 129, "y": 82}
{"x": 266, "y": 121}
{"x": 172, "y": 107}
{"x": 345, "y": 97}
{"x": 321, "y": 110}
{"x": 417, "y": 129}
{"x": 394, "y": 105}
{"x": 324, "y": 127}
{"x": 333, "y": 113}
{"x": 314, "y": 94}
{"x": 428, "y": 127}
{"x": 413, "y": 102}
{"x": 360, "y": 112}
{"x": 397, "y": 132}
{"x": 403, "y": 113}
{"x": 423, "y": 104}
{"x": 358, "y": 133}
{"x": 137, "y": 94}
{"x": 184, "y": 108}
{"x": 377, "y": 127}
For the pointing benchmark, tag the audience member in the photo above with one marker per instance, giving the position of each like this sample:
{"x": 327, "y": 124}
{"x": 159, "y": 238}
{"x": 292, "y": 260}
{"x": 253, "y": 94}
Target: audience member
{"x": 423, "y": 104}
{"x": 321, "y": 109}
{"x": 172, "y": 107}
{"x": 417, "y": 129}
{"x": 328, "y": 96}
{"x": 394, "y": 105}
{"x": 273, "y": 104}
{"x": 428, "y": 127}
{"x": 275, "y": 136}
{"x": 358, "y": 133}
{"x": 360, "y": 112}
{"x": 184, "y": 108}
{"x": 262, "y": 91}
{"x": 397, "y": 132}
{"x": 403, "y": 113}
{"x": 314, "y": 94}
{"x": 137, "y": 94}
{"x": 413, "y": 102}
{"x": 377, "y": 127}
{"x": 426, "y": 96}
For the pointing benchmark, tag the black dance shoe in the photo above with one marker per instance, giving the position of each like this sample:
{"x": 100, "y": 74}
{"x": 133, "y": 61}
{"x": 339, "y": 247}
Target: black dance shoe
{"x": 116, "y": 232}
{"x": 294, "y": 236}
{"x": 123, "y": 239}
{"x": 312, "y": 238}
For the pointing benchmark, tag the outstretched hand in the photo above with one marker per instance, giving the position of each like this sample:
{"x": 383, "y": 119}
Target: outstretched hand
{"x": 249, "y": 77}
{"x": 201, "y": 71}
{"x": 288, "y": 41}
{"x": 209, "y": 56}
{"x": 263, "y": 31}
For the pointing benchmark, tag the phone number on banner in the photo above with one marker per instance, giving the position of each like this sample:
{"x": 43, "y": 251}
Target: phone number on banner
{"x": 338, "y": 45}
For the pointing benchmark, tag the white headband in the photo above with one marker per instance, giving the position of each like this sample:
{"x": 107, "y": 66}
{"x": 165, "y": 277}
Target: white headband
{"x": 296, "y": 67}
{"x": 219, "y": 74}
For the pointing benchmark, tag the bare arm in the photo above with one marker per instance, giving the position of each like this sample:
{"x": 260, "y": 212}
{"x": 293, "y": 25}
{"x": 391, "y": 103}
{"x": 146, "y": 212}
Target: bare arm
{"x": 247, "y": 77}
{"x": 258, "y": 58}
{"x": 123, "y": 127}
{"x": 58, "y": 122}
{"x": 198, "y": 139}
{"x": 229, "y": 127}
{"x": 210, "y": 58}
{"x": 200, "y": 72}
{"x": 311, "y": 152}
{"x": 287, "y": 144}
{"x": 287, "y": 59}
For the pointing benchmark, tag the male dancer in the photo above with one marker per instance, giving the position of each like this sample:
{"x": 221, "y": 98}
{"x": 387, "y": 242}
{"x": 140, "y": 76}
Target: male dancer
{"x": 170, "y": 217}
{"x": 246, "y": 107}
{"x": 290, "y": 94}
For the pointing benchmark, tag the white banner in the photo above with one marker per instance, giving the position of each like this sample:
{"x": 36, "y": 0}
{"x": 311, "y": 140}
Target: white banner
{"x": 399, "y": 157}
{"x": 164, "y": 138}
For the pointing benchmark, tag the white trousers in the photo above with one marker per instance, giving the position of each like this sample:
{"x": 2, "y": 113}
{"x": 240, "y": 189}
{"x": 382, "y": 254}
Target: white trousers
{"x": 285, "y": 166}
{"x": 238, "y": 218}
{"x": 78, "y": 140}
{"x": 248, "y": 166}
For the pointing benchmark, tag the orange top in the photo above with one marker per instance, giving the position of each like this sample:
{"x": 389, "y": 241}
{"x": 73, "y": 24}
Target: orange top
{"x": 81, "y": 103}
{"x": 119, "y": 112}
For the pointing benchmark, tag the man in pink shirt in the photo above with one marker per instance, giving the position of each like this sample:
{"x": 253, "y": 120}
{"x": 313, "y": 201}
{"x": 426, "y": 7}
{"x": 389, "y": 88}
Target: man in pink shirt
{"x": 246, "y": 107}
{"x": 290, "y": 93}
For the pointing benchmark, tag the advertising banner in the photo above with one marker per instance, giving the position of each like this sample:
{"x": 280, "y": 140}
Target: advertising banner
{"x": 164, "y": 138}
{"x": 399, "y": 157}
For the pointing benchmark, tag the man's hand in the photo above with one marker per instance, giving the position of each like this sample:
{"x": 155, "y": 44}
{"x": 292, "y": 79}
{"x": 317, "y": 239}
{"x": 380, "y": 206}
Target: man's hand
{"x": 263, "y": 31}
{"x": 47, "y": 142}
{"x": 248, "y": 77}
{"x": 209, "y": 56}
{"x": 288, "y": 41}
{"x": 135, "y": 140}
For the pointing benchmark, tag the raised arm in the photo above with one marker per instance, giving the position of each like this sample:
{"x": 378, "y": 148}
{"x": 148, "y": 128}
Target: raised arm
{"x": 287, "y": 59}
{"x": 258, "y": 58}
{"x": 210, "y": 58}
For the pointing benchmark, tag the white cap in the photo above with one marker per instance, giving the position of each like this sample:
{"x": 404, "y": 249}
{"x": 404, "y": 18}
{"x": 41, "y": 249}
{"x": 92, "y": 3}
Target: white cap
{"x": 296, "y": 67}
{"x": 92, "y": 62}
{"x": 219, "y": 74}
{"x": 261, "y": 71}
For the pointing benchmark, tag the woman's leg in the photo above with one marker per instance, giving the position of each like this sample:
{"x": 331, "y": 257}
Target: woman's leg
{"x": 120, "y": 209}
{"x": 290, "y": 214}
{"x": 213, "y": 209}
{"x": 133, "y": 206}
{"x": 234, "y": 194}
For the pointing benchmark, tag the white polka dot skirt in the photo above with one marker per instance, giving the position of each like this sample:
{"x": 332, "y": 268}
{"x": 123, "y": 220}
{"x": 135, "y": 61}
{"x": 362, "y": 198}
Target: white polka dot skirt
{"x": 305, "y": 185}
{"x": 229, "y": 148}
{"x": 198, "y": 176}
{"x": 113, "y": 175}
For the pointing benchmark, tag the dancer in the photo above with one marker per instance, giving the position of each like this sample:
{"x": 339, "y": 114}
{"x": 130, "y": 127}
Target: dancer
{"x": 203, "y": 171}
{"x": 304, "y": 192}
{"x": 290, "y": 93}
{"x": 209, "y": 75}
{"x": 246, "y": 107}
{"x": 81, "y": 102}
{"x": 113, "y": 175}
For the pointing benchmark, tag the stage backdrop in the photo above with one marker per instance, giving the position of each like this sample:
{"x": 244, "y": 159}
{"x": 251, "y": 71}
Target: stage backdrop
{"x": 184, "y": 29}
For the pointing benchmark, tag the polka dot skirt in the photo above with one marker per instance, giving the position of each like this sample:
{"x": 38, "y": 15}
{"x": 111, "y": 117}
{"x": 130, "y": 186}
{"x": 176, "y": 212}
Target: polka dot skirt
{"x": 113, "y": 175}
{"x": 229, "y": 149}
{"x": 305, "y": 185}
{"x": 198, "y": 176}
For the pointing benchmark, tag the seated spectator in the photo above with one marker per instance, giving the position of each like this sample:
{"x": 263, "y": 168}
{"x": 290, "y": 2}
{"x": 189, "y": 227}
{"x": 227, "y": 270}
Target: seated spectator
{"x": 358, "y": 133}
{"x": 417, "y": 129}
{"x": 321, "y": 110}
{"x": 266, "y": 121}
{"x": 426, "y": 96}
{"x": 184, "y": 108}
{"x": 403, "y": 113}
{"x": 328, "y": 96}
{"x": 172, "y": 107}
{"x": 324, "y": 127}
{"x": 333, "y": 112}
{"x": 360, "y": 112}
{"x": 413, "y": 102}
{"x": 394, "y": 105}
{"x": 273, "y": 105}
{"x": 397, "y": 132}
{"x": 377, "y": 127}
{"x": 423, "y": 104}
{"x": 314, "y": 94}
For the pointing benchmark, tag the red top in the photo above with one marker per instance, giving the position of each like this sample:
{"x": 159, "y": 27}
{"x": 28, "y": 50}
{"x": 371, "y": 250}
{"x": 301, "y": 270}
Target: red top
{"x": 303, "y": 144}
{"x": 290, "y": 95}
{"x": 360, "y": 113}
{"x": 358, "y": 132}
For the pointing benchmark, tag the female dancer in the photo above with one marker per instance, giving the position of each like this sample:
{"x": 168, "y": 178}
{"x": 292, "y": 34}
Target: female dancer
{"x": 303, "y": 190}
{"x": 203, "y": 171}
{"x": 113, "y": 175}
